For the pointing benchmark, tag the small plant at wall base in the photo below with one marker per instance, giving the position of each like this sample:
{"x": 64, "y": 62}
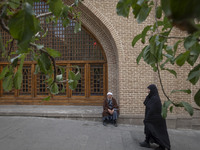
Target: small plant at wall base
{"x": 182, "y": 14}
{"x": 18, "y": 19}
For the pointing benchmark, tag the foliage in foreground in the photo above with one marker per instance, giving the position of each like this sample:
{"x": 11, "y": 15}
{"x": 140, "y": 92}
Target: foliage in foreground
{"x": 183, "y": 14}
{"x": 18, "y": 19}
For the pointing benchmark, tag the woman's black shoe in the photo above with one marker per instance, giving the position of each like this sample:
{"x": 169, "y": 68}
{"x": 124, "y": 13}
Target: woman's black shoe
{"x": 160, "y": 148}
{"x": 145, "y": 144}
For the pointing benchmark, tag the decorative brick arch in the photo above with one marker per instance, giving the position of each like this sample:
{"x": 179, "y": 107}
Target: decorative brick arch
{"x": 103, "y": 30}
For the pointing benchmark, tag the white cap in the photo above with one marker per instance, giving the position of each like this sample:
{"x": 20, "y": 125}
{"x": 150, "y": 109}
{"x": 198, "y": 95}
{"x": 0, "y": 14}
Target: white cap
{"x": 109, "y": 93}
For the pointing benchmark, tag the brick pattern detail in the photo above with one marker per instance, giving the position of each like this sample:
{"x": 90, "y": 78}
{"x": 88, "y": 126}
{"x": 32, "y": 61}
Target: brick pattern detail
{"x": 126, "y": 79}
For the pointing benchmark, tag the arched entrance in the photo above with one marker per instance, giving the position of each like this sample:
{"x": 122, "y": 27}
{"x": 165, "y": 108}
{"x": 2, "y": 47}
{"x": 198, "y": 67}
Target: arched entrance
{"x": 81, "y": 49}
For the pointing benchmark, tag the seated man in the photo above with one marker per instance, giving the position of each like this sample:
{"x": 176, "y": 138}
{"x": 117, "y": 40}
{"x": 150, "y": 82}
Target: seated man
{"x": 110, "y": 110}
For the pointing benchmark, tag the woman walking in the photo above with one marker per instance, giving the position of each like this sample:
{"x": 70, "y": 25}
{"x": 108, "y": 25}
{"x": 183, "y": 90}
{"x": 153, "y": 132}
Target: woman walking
{"x": 155, "y": 127}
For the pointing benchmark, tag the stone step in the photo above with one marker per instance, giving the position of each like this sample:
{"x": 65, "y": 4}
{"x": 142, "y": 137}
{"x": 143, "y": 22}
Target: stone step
{"x": 74, "y": 112}
{"x": 196, "y": 127}
{"x": 196, "y": 121}
{"x": 196, "y": 114}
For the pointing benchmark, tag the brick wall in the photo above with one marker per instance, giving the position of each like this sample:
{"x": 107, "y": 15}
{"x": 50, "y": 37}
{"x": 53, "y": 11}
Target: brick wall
{"x": 126, "y": 79}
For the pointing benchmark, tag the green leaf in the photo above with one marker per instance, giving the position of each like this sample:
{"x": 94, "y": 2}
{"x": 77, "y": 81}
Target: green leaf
{"x": 56, "y": 6}
{"x": 180, "y": 60}
{"x": 143, "y": 14}
{"x": 54, "y": 89}
{"x": 123, "y": 7}
{"x": 144, "y": 32}
{"x": 21, "y": 62}
{"x": 163, "y": 65}
{"x": 171, "y": 109}
{"x": 63, "y": 88}
{"x": 41, "y": 67}
{"x": 72, "y": 84}
{"x": 166, "y": 7}
{"x": 136, "y": 9}
{"x": 167, "y": 24}
{"x": 49, "y": 81}
{"x": 194, "y": 54}
{"x": 167, "y": 103}
{"x": 46, "y": 61}
{"x": 8, "y": 83}
{"x": 53, "y": 52}
{"x": 62, "y": 69}
{"x": 47, "y": 98}
{"x": 136, "y": 38}
{"x": 197, "y": 98}
{"x": 72, "y": 80}
{"x": 4, "y": 72}
{"x": 65, "y": 12}
{"x": 77, "y": 27}
{"x": 72, "y": 75}
{"x": 188, "y": 91}
{"x": 37, "y": 69}
{"x": 18, "y": 79}
{"x": 188, "y": 108}
{"x": 66, "y": 22}
{"x": 22, "y": 26}
{"x": 194, "y": 75}
{"x": 59, "y": 77}
{"x": 78, "y": 76}
{"x": 140, "y": 55}
{"x": 18, "y": 76}
{"x": 172, "y": 72}
{"x": 158, "y": 12}
{"x": 148, "y": 57}
{"x": 2, "y": 48}
{"x": 176, "y": 46}
{"x": 190, "y": 41}
{"x": 14, "y": 60}
{"x": 14, "y": 4}
{"x": 40, "y": 47}
{"x": 165, "y": 108}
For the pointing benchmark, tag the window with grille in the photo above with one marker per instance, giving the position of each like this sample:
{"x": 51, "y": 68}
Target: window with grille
{"x": 81, "y": 49}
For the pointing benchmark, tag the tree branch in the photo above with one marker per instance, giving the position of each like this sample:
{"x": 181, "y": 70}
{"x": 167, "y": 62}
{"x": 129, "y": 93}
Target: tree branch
{"x": 2, "y": 23}
{"x": 44, "y": 15}
{"x": 196, "y": 108}
{"x": 159, "y": 76}
{"x": 50, "y": 13}
{"x": 156, "y": 4}
{"x": 172, "y": 37}
{"x": 11, "y": 47}
{"x": 52, "y": 59}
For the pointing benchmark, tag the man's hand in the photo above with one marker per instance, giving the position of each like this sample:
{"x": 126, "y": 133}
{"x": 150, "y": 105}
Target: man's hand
{"x": 111, "y": 111}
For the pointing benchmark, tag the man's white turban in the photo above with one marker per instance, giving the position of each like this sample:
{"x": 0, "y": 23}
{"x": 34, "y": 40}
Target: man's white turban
{"x": 109, "y": 93}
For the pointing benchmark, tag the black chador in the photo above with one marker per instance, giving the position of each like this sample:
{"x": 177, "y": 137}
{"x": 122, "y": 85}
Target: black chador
{"x": 155, "y": 127}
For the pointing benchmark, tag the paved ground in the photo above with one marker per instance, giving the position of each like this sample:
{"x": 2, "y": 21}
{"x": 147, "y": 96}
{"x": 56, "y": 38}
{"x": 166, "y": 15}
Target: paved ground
{"x": 35, "y": 133}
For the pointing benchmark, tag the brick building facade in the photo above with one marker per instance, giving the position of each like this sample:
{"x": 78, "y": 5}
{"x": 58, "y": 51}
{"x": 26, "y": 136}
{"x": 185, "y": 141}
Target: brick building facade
{"x": 126, "y": 79}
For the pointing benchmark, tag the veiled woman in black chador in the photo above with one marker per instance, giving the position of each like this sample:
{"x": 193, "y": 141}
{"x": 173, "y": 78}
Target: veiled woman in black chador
{"x": 155, "y": 127}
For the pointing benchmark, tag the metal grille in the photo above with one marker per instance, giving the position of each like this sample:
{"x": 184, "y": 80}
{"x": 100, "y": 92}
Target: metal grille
{"x": 80, "y": 89}
{"x": 41, "y": 85}
{"x": 26, "y": 82}
{"x": 96, "y": 79}
{"x": 9, "y": 45}
{"x": 80, "y": 46}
